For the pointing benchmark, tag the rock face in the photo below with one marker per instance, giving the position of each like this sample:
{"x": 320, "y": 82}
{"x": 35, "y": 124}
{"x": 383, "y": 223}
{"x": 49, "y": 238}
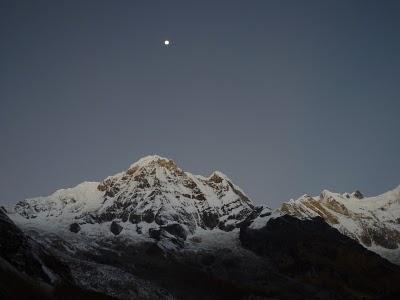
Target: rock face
{"x": 152, "y": 191}
{"x": 374, "y": 222}
{"x": 176, "y": 230}
{"x": 74, "y": 227}
{"x": 27, "y": 256}
{"x": 115, "y": 228}
{"x": 311, "y": 251}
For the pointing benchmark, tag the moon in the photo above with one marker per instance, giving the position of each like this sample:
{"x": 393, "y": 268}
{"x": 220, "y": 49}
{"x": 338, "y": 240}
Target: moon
{"x": 166, "y": 42}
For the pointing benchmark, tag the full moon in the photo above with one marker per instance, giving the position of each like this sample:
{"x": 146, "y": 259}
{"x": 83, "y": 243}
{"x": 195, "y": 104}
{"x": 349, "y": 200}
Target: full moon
{"x": 166, "y": 42}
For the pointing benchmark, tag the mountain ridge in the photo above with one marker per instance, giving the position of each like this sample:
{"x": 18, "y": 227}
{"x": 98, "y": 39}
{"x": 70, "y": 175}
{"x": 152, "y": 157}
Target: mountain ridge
{"x": 153, "y": 230}
{"x": 153, "y": 192}
{"x": 374, "y": 222}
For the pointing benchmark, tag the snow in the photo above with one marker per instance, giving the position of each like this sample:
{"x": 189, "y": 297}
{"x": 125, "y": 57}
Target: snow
{"x": 260, "y": 222}
{"x": 168, "y": 191}
{"x": 64, "y": 205}
{"x": 144, "y": 161}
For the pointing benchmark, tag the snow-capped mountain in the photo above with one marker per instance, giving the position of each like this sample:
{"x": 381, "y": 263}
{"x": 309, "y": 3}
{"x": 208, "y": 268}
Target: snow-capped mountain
{"x": 152, "y": 194}
{"x": 372, "y": 221}
{"x": 155, "y": 231}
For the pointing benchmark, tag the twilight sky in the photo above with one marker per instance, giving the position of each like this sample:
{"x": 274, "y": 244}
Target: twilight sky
{"x": 285, "y": 97}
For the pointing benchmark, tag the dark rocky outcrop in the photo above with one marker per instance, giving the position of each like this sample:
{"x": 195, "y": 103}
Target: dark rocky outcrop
{"x": 115, "y": 228}
{"x": 135, "y": 218}
{"x": 75, "y": 227}
{"x": 173, "y": 231}
{"x": 148, "y": 216}
{"x": 312, "y": 251}
{"x": 254, "y": 214}
{"x": 155, "y": 233}
{"x": 210, "y": 219}
{"x": 176, "y": 230}
{"x": 358, "y": 194}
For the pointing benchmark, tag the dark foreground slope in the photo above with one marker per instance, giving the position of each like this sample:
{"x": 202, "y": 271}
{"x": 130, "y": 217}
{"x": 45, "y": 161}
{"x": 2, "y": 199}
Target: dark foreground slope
{"x": 28, "y": 256}
{"x": 288, "y": 258}
{"x": 28, "y": 271}
{"x": 312, "y": 252}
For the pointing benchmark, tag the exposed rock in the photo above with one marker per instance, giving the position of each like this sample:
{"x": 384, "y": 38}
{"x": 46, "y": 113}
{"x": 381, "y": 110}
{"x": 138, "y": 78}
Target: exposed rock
{"x": 115, "y": 228}
{"x": 139, "y": 229}
{"x": 215, "y": 178}
{"x": 148, "y": 216}
{"x": 106, "y": 217}
{"x": 155, "y": 233}
{"x": 167, "y": 239}
{"x": 358, "y": 194}
{"x": 102, "y": 187}
{"x": 135, "y": 218}
{"x": 132, "y": 171}
{"x": 125, "y": 216}
{"x": 226, "y": 227}
{"x": 74, "y": 227}
{"x": 176, "y": 230}
{"x": 160, "y": 219}
{"x": 381, "y": 236}
{"x": 258, "y": 211}
{"x": 210, "y": 219}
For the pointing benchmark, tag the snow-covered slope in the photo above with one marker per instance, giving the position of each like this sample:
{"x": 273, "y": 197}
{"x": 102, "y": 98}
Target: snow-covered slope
{"x": 374, "y": 221}
{"x": 153, "y": 193}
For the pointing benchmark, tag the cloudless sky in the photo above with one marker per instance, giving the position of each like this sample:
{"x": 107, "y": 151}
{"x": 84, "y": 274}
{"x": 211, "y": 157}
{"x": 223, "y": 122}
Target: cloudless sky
{"x": 285, "y": 97}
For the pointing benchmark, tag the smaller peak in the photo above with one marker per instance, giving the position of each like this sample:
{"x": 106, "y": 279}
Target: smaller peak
{"x": 326, "y": 193}
{"x": 357, "y": 194}
{"x": 302, "y": 198}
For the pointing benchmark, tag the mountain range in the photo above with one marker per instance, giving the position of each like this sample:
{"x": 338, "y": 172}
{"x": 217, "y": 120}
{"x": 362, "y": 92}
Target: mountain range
{"x": 155, "y": 231}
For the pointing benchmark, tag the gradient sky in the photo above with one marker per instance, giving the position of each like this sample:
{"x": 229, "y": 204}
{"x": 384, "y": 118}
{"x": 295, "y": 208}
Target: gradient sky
{"x": 285, "y": 97}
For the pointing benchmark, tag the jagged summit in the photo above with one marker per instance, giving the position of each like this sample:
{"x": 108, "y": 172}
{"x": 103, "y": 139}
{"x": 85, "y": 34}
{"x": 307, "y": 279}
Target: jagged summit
{"x": 152, "y": 194}
{"x": 150, "y": 160}
{"x": 157, "y": 161}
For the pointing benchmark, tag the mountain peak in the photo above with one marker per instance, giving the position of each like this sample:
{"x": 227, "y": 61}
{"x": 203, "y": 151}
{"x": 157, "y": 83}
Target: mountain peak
{"x": 148, "y": 160}
{"x": 152, "y": 162}
{"x": 153, "y": 193}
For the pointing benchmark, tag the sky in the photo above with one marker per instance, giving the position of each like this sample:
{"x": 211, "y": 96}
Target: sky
{"x": 285, "y": 97}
